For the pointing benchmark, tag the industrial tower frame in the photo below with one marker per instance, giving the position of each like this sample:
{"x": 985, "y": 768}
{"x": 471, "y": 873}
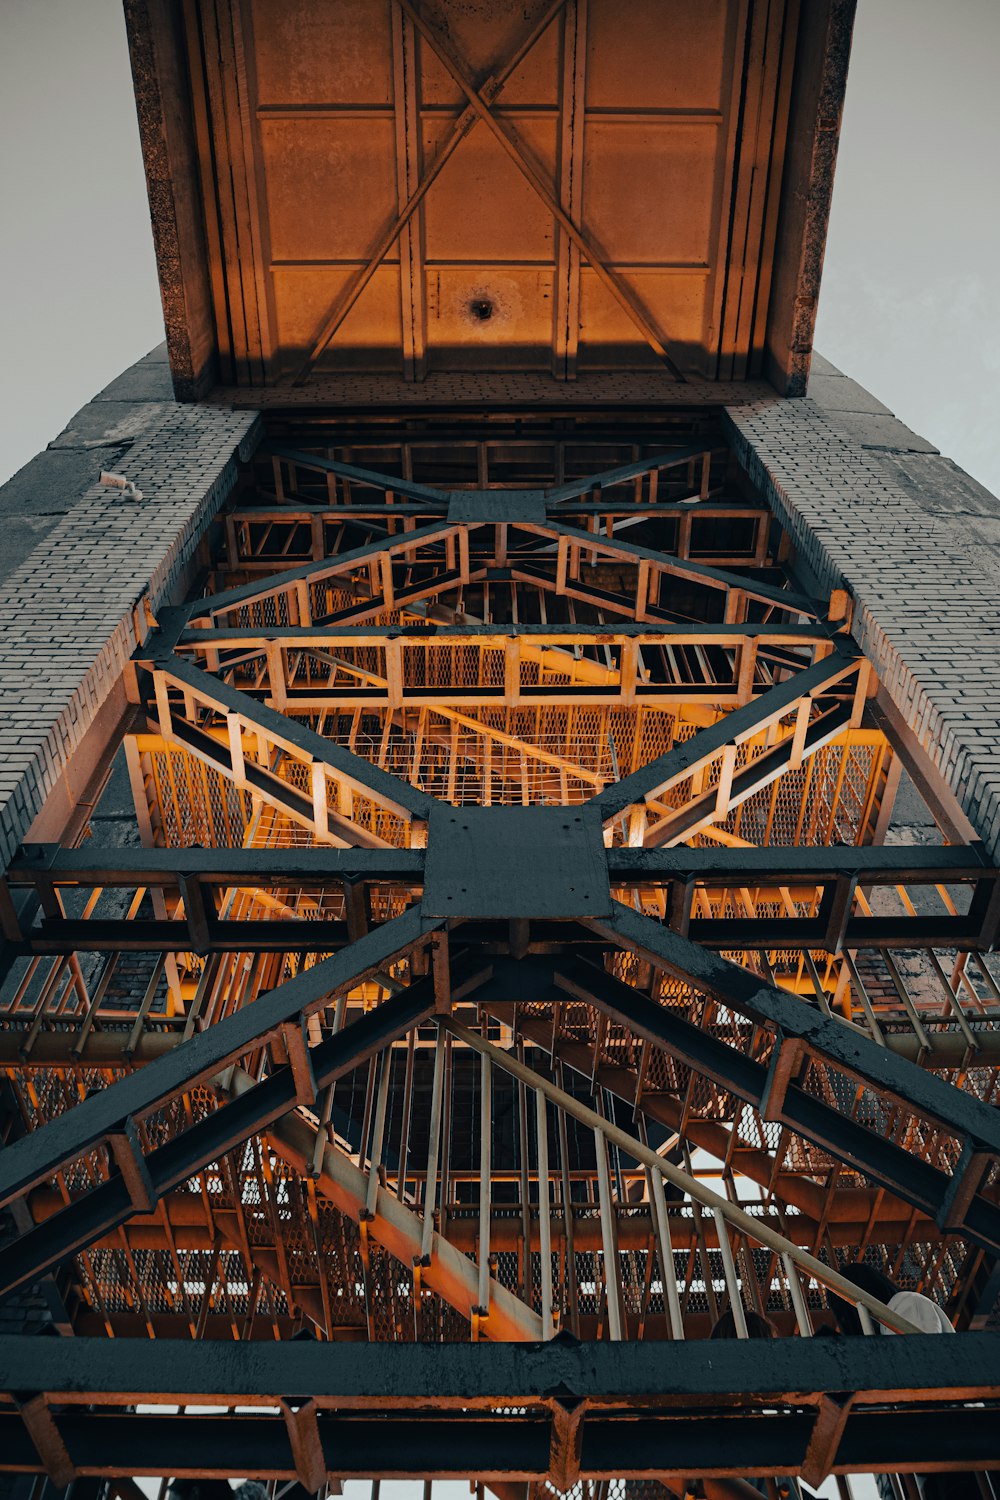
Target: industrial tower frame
{"x": 454, "y": 900}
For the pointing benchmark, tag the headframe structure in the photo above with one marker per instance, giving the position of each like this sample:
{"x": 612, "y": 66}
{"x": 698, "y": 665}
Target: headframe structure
{"x": 509, "y": 891}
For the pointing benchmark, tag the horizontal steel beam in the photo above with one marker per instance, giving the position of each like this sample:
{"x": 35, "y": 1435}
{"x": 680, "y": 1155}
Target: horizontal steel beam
{"x": 909, "y": 1370}
{"x": 469, "y": 633}
{"x": 637, "y": 1410}
{"x": 55, "y": 935}
{"x": 903, "y": 931}
{"x": 827, "y": 873}
{"x": 295, "y": 509}
{"x": 510, "y": 1447}
{"x": 98, "y": 1371}
{"x": 881, "y": 864}
{"x": 93, "y": 865}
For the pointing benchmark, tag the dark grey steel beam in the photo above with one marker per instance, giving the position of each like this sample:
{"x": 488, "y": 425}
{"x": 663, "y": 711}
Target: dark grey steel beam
{"x": 94, "y": 866}
{"x": 99, "y": 1211}
{"x": 732, "y": 933}
{"x": 297, "y": 509}
{"x": 900, "y": 1171}
{"x": 972, "y": 1122}
{"x": 119, "y": 935}
{"x": 138, "y": 936}
{"x": 506, "y": 1447}
{"x": 609, "y": 477}
{"x": 40, "y": 1153}
{"x": 211, "y": 604}
{"x": 56, "y": 937}
{"x": 889, "y": 863}
{"x": 368, "y": 478}
{"x": 404, "y": 1410}
{"x": 778, "y": 632}
{"x": 909, "y": 1370}
{"x": 41, "y": 868}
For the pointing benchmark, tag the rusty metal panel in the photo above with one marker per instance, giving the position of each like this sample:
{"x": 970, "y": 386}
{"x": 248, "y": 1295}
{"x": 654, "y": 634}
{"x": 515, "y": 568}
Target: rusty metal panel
{"x": 575, "y": 186}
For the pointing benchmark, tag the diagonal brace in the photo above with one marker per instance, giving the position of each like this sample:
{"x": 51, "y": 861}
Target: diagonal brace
{"x": 256, "y": 1107}
{"x": 650, "y": 782}
{"x": 42, "y": 1152}
{"x": 842, "y": 1044}
{"x": 399, "y": 796}
{"x": 622, "y": 294}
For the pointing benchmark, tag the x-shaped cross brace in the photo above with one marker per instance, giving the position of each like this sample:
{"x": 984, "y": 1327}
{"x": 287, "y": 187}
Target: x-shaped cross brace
{"x": 480, "y": 107}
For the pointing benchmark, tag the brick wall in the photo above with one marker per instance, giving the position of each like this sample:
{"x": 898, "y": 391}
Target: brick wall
{"x": 926, "y": 606}
{"x": 66, "y": 614}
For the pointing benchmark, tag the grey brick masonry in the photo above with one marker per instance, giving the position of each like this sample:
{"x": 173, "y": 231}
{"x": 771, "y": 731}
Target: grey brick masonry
{"x": 875, "y": 509}
{"x": 67, "y": 627}
{"x": 98, "y": 437}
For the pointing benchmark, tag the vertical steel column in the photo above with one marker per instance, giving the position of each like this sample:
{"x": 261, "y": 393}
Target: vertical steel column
{"x": 544, "y": 1212}
{"x": 378, "y": 1133}
{"x": 671, "y": 1296}
{"x": 798, "y": 1299}
{"x": 485, "y": 1167}
{"x": 430, "y": 1185}
{"x": 611, "y": 1280}
{"x": 729, "y": 1271}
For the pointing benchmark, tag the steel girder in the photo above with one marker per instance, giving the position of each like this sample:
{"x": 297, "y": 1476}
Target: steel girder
{"x": 565, "y": 1408}
{"x": 110, "y": 1115}
{"x": 797, "y": 1027}
{"x": 776, "y": 1096}
{"x": 966, "y": 1118}
{"x": 194, "y": 875}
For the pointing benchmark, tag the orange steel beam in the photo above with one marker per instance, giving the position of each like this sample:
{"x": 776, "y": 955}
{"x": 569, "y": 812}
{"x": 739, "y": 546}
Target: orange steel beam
{"x": 450, "y": 1273}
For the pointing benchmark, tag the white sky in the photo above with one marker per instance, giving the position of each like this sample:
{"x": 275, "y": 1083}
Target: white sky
{"x": 911, "y": 299}
{"x": 910, "y": 302}
{"x": 78, "y": 293}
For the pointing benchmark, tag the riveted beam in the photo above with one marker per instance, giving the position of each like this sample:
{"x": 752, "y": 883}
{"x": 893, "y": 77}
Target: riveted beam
{"x": 840, "y": 1043}
{"x": 42, "y": 1152}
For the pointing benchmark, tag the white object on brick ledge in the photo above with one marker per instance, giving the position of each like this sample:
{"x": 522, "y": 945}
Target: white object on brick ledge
{"x": 119, "y": 482}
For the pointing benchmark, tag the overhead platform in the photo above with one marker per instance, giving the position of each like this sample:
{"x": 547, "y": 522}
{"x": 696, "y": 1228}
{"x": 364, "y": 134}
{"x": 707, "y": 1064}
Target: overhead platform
{"x": 413, "y": 188}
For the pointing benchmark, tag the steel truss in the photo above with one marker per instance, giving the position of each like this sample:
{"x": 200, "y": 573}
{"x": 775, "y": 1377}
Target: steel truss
{"x": 509, "y": 859}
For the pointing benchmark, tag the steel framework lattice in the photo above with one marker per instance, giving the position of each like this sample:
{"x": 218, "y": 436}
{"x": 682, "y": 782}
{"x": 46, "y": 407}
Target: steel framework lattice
{"x": 509, "y": 950}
